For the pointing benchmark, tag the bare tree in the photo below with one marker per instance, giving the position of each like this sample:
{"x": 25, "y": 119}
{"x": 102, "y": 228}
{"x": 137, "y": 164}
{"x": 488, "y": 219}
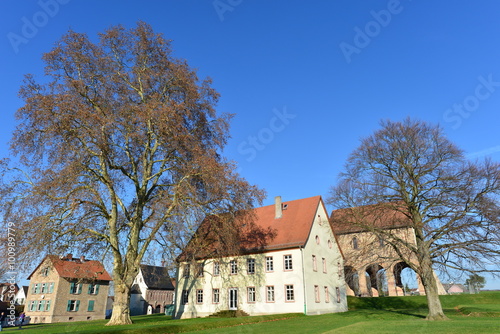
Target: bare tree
{"x": 449, "y": 204}
{"x": 119, "y": 145}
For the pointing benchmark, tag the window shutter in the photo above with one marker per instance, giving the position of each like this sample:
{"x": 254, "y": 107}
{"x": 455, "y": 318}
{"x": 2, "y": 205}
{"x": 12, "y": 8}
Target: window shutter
{"x": 51, "y": 287}
{"x": 72, "y": 287}
{"x": 96, "y": 289}
{"x": 77, "y": 305}
{"x": 91, "y": 305}
{"x": 69, "y": 306}
{"x": 90, "y": 289}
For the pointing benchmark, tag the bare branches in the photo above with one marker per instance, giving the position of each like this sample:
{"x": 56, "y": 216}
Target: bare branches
{"x": 450, "y": 204}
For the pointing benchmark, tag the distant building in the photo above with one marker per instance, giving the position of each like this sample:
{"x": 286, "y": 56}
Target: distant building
{"x": 372, "y": 267}
{"x": 453, "y": 288}
{"x": 152, "y": 291}
{"x": 297, "y": 269}
{"x": 8, "y": 292}
{"x": 67, "y": 289}
{"x": 20, "y": 297}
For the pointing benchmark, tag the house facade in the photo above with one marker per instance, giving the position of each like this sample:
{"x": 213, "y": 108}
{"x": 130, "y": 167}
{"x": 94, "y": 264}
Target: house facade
{"x": 66, "y": 289}
{"x": 299, "y": 269}
{"x": 152, "y": 291}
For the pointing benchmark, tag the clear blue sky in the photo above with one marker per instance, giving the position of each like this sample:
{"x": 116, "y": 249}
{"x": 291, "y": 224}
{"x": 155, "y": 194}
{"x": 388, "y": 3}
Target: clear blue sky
{"x": 305, "y": 79}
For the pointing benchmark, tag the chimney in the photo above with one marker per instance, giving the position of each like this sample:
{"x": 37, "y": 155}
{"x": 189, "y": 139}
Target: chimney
{"x": 82, "y": 258}
{"x": 69, "y": 257}
{"x": 278, "y": 207}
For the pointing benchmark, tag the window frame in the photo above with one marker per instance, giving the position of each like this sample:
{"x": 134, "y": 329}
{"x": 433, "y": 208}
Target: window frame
{"x": 270, "y": 288}
{"x": 289, "y": 292}
{"x": 199, "y": 296}
{"x": 215, "y": 296}
{"x": 287, "y": 262}
{"x": 269, "y": 264}
{"x": 185, "y": 297}
{"x": 216, "y": 268}
{"x": 251, "y": 294}
{"x": 327, "y": 294}
{"x": 251, "y": 266}
{"x": 317, "y": 298}
{"x": 325, "y": 270}
{"x": 233, "y": 267}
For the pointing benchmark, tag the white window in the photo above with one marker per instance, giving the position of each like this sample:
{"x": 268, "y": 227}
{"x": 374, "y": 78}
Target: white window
{"x": 251, "y": 266}
{"x": 75, "y": 288}
{"x": 288, "y": 262}
{"x": 315, "y": 265}
{"x": 270, "y": 294}
{"x": 93, "y": 289}
{"x": 289, "y": 293}
{"x": 215, "y": 296}
{"x": 234, "y": 267}
{"x": 186, "y": 270}
{"x": 216, "y": 268}
{"x": 269, "y": 263}
{"x": 185, "y": 296}
{"x": 316, "y": 294}
{"x": 73, "y": 305}
{"x": 251, "y": 294}
{"x": 199, "y": 296}
{"x": 200, "y": 269}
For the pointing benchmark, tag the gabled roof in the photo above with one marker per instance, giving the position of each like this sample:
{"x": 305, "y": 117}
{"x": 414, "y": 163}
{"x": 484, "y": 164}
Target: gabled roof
{"x": 76, "y": 268}
{"x": 359, "y": 219}
{"x": 267, "y": 232}
{"x": 156, "y": 278}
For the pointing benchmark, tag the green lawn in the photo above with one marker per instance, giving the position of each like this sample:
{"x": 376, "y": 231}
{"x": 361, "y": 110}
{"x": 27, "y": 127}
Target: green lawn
{"x": 468, "y": 314}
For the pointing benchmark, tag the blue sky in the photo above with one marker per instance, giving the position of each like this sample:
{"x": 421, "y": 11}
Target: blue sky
{"x": 305, "y": 79}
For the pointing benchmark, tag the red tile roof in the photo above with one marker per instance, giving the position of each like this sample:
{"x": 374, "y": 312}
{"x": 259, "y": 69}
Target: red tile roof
{"x": 267, "y": 231}
{"x": 76, "y": 268}
{"x": 360, "y": 219}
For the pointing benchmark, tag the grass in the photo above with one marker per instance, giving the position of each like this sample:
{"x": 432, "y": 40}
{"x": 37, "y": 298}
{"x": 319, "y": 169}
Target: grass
{"x": 469, "y": 314}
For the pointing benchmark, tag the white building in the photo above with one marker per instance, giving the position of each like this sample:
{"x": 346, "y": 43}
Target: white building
{"x": 299, "y": 269}
{"x": 152, "y": 291}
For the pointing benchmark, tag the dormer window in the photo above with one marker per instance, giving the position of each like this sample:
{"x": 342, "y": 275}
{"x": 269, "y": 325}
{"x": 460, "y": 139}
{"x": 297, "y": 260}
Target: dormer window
{"x": 45, "y": 271}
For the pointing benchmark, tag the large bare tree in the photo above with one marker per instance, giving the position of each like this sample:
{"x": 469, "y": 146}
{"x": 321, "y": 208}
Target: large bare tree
{"x": 449, "y": 203}
{"x": 118, "y": 145}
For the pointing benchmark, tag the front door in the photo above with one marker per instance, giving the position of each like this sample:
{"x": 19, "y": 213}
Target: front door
{"x": 233, "y": 298}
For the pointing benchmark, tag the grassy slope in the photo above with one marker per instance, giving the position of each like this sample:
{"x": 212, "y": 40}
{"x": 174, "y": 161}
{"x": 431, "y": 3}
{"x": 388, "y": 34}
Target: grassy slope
{"x": 472, "y": 314}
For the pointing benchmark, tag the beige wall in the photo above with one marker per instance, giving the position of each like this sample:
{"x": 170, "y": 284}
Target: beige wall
{"x": 60, "y": 296}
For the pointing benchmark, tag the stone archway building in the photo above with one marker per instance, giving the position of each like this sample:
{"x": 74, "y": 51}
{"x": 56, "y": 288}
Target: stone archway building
{"x": 372, "y": 268}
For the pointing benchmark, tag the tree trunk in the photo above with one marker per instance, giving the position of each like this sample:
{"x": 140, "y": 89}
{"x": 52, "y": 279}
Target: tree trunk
{"x": 121, "y": 306}
{"x": 431, "y": 291}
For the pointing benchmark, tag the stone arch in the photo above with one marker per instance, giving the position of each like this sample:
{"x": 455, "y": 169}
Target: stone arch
{"x": 398, "y": 280}
{"x": 352, "y": 280}
{"x": 375, "y": 280}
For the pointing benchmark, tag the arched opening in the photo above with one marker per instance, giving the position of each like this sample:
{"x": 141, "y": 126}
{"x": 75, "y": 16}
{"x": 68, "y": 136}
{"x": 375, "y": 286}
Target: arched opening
{"x": 406, "y": 280}
{"x": 158, "y": 309}
{"x": 376, "y": 280}
{"x": 352, "y": 280}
